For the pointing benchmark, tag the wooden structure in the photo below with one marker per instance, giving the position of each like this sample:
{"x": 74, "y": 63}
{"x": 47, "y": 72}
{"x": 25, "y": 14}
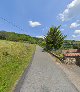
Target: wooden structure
{"x": 72, "y": 56}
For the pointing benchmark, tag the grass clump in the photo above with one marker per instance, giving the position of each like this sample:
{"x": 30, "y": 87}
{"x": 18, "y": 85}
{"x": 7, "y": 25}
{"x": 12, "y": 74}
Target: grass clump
{"x": 14, "y": 58}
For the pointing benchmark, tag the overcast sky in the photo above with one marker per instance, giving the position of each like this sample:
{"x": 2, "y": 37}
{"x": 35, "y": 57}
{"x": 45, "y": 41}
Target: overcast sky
{"x": 34, "y": 17}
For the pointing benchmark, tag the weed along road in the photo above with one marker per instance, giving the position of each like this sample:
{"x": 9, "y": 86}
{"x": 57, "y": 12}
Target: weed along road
{"x": 44, "y": 75}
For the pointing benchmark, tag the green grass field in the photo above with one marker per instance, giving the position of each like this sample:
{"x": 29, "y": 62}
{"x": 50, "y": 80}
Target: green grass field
{"x": 14, "y": 58}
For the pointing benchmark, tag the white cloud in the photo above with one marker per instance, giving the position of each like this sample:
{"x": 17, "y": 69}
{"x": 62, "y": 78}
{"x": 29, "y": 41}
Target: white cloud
{"x": 40, "y": 36}
{"x": 74, "y": 36}
{"x": 75, "y": 24}
{"x": 34, "y": 24}
{"x": 77, "y": 32}
{"x": 72, "y": 10}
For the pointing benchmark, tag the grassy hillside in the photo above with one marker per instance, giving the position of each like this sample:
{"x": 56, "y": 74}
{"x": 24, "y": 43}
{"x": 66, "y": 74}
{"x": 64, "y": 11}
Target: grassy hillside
{"x": 12, "y": 36}
{"x": 14, "y": 58}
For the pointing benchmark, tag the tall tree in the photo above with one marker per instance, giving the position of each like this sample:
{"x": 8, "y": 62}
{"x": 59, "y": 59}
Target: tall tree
{"x": 54, "y": 38}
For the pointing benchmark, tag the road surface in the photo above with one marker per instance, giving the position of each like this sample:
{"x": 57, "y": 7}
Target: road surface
{"x": 44, "y": 75}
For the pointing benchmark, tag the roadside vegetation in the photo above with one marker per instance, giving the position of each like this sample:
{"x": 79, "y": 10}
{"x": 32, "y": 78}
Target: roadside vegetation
{"x": 54, "y": 39}
{"x": 55, "y": 42}
{"x": 12, "y": 36}
{"x": 14, "y": 58}
{"x": 71, "y": 44}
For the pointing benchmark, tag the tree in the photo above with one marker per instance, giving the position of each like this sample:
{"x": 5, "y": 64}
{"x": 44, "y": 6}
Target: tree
{"x": 76, "y": 46}
{"x": 54, "y": 38}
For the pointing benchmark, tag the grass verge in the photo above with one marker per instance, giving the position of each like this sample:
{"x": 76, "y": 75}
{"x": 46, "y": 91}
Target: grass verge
{"x": 14, "y": 58}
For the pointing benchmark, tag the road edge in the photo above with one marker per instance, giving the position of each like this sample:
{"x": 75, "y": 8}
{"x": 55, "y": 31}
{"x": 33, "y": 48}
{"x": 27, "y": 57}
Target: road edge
{"x": 61, "y": 67}
{"x": 21, "y": 80}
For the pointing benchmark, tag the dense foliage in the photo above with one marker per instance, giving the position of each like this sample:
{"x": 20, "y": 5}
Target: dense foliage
{"x": 12, "y": 36}
{"x": 54, "y": 38}
{"x": 71, "y": 44}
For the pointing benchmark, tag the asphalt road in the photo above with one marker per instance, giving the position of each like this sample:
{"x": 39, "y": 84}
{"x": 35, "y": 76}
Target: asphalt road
{"x": 44, "y": 75}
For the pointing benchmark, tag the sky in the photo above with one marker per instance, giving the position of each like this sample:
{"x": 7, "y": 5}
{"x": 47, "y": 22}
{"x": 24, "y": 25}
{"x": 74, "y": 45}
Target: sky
{"x": 35, "y": 17}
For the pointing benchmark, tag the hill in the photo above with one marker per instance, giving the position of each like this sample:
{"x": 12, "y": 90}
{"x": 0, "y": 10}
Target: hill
{"x": 12, "y": 36}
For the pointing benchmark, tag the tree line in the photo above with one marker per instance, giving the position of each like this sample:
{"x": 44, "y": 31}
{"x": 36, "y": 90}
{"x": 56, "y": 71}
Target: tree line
{"x": 54, "y": 39}
{"x": 12, "y": 36}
